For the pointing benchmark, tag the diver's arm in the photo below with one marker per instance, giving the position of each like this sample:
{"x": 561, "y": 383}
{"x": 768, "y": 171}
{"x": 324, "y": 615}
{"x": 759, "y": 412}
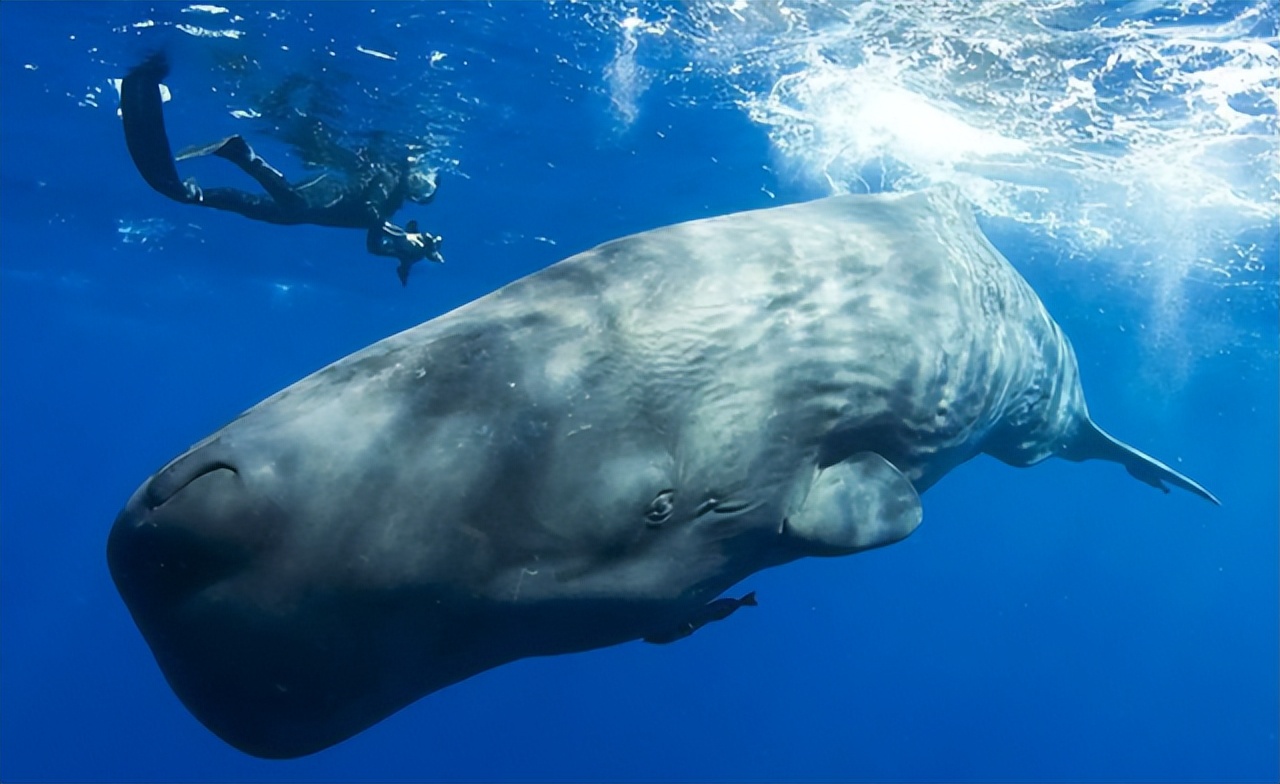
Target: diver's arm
{"x": 141, "y": 106}
{"x": 409, "y": 247}
{"x": 387, "y": 240}
{"x": 236, "y": 150}
{"x": 394, "y": 242}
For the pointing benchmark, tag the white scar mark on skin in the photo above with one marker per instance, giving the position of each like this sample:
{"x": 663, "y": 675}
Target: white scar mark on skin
{"x": 524, "y": 570}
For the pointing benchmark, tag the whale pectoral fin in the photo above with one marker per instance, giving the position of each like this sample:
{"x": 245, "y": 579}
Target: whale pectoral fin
{"x": 708, "y": 613}
{"x": 858, "y": 504}
{"x": 1094, "y": 443}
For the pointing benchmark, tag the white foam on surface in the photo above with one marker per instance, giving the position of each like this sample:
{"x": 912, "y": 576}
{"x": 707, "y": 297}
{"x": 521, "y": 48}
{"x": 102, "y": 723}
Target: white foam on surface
{"x": 1112, "y": 128}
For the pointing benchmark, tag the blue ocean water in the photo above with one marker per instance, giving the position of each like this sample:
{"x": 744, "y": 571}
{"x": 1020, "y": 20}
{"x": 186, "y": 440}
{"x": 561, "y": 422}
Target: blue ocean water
{"x": 1058, "y": 623}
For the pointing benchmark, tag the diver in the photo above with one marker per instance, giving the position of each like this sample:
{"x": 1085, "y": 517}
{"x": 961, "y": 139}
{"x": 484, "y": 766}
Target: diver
{"x": 373, "y": 190}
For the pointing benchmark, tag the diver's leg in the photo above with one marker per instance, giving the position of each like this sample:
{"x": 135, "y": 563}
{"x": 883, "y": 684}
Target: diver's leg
{"x": 250, "y": 205}
{"x": 238, "y": 151}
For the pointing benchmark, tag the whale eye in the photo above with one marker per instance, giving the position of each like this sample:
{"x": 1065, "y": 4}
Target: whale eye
{"x": 660, "y": 508}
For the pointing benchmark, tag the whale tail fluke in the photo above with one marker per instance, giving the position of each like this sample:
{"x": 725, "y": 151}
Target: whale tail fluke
{"x": 1094, "y": 443}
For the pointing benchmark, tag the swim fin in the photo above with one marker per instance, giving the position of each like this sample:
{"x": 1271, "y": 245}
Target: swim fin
{"x": 144, "y": 133}
{"x": 223, "y": 148}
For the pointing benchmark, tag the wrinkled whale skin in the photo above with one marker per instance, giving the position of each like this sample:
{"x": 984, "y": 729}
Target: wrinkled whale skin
{"x": 589, "y": 456}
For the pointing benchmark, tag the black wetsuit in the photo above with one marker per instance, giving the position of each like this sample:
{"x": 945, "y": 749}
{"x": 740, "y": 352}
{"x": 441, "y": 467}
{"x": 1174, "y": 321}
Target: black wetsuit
{"x": 371, "y": 193}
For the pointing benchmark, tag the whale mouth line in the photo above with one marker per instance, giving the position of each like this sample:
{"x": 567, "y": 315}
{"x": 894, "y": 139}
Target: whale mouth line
{"x": 179, "y": 537}
{"x": 173, "y": 480}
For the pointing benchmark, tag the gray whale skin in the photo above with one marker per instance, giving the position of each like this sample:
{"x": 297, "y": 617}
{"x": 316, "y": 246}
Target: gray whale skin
{"x": 590, "y": 455}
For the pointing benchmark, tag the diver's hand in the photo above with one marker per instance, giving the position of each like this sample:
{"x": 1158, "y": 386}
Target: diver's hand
{"x": 429, "y": 243}
{"x": 192, "y": 190}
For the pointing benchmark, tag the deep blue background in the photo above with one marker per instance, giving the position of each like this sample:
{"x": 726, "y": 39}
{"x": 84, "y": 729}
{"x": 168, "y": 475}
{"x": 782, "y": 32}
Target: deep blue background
{"x": 1058, "y": 623}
